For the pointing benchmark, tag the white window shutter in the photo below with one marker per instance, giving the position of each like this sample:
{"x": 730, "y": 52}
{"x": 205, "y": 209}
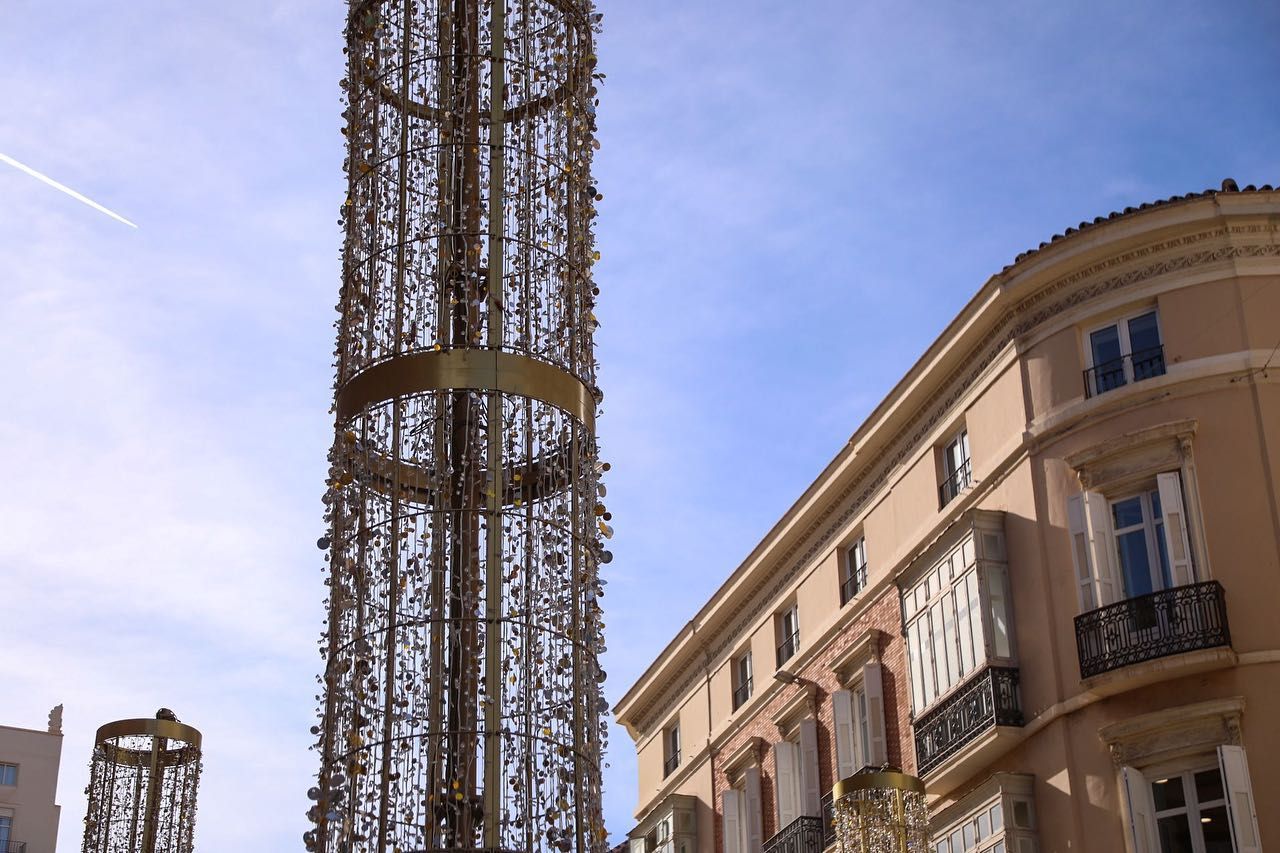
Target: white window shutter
{"x": 786, "y": 782}
{"x": 1240, "y": 804}
{"x": 810, "y": 786}
{"x": 1079, "y": 533}
{"x": 753, "y": 815}
{"x": 1176, "y": 540}
{"x": 1097, "y": 513}
{"x": 731, "y": 809}
{"x": 1137, "y": 796}
{"x": 846, "y": 738}
{"x": 637, "y": 845}
{"x": 873, "y": 686}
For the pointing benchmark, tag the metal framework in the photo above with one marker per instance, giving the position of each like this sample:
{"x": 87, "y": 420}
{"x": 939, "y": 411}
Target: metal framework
{"x": 142, "y": 787}
{"x": 461, "y": 705}
{"x": 881, "y": 811}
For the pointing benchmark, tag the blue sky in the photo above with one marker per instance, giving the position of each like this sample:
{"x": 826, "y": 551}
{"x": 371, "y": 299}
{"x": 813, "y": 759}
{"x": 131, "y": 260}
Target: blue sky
{"x": 798, "y": 197}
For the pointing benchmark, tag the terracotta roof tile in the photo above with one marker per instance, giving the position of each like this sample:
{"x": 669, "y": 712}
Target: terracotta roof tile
{"x": 1228, "y": 186}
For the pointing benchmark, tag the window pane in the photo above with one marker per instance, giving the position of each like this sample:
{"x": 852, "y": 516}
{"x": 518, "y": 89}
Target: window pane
{"x": 999, "y": 615}
{"x": 954, "y": 666}
{"x": 1175, "y": 834}
{"x": 1134, "y": 563}
{"x": 1143, "y": 334}
{"x": 1108, "y": 368}
{"x": 984, "y": 826}
{"x": 975, "y": 615}
{"x": 940, "y": 651}
{"x": 1209, "y": 786}
{"x": 1168, "y": 793}
{"x": 1127, "y": 513}
{"x": 968, "y": 836}
{"x": 997, "y": 818}
{"x": 963, "y": 627}
{"x": 917, "y": 667}
{"x": 957, "y": 844}
{"x": 1217, "y": 835}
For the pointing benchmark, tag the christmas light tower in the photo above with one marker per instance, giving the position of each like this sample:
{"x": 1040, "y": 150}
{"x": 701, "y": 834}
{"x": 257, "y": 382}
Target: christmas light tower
{"x": 461, "y": 705}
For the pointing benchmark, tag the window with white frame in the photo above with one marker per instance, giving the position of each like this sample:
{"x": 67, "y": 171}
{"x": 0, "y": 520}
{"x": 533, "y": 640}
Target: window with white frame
{"x": 6, "y": 826}
{"x": 8, "y": 774}
{"x": 796, "y": 784}
{"x": 670, "y": 749}
{"x": 957, "y": 616}
{"x": 742, "y": 815}
{"x": 957, "y": 470}
{"x": 853, "y": 570}
{"x": 858, "y": 717}
{"x": 788, "y": 633}
{"x": 999, "y": 817}
{"x": 1132, "y": 544}
{"x": 1195, "y": 804}
{"x": 741, "y": 677}
{"x": 1124, "y": 351}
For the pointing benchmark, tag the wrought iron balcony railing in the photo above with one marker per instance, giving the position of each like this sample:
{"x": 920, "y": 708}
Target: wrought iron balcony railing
{"x": 1168, "y": 622}
{"x": 788, "y": 647}
{"x": 1135, "y": 367}
{"x": 13, "y": 847}
{"x": 741, "y": 694}
{"x": 669, "y": 766}
{"x": 828, "y": 820}
{"x": 802, "y": 835}
{"x": 956, "y": 483}
{"x": 988, "y": 699}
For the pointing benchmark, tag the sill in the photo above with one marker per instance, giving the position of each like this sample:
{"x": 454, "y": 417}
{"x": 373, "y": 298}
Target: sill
{"x": 977, "y": 754}
{"x": 1139, "y": 675}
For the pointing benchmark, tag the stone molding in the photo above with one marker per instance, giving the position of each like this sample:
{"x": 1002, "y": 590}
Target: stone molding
{"x": 1173, "y": 732}
{"x": 1024, "y": 317}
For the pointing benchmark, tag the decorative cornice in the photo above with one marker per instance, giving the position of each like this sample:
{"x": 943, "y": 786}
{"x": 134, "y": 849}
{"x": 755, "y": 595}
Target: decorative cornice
{"x": 1172, "y": 732}
{"x": 1024, "y": 317}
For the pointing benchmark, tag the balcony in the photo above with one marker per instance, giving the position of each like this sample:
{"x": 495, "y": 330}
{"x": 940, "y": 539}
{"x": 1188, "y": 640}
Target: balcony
{"x": 1169, "y": 622}
{"x": 828, "y": 819}
{"x": 13, "y": 847}
{"x": 1143, "y": 364}
{"x": 956, "y": 483}
{"x": 802, "y": 835}
{"x": 669, "y": 766}
{"x": 987, "y": 700}
{"x": 788, "y": 647}
{"x": 741, "y": 694}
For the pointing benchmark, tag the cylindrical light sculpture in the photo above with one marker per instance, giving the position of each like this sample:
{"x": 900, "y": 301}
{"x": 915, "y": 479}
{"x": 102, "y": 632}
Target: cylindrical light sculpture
{"x": 881, "y": 811}
{"x": 461, "y": 705}
{"x": 142, "y": 787}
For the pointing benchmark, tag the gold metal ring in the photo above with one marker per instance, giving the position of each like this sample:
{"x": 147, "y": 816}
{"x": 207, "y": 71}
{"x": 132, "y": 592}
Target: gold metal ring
{"x": 149, "y": 728}
{"x": 880, "y": 779}
{"x": 468, "y": 369}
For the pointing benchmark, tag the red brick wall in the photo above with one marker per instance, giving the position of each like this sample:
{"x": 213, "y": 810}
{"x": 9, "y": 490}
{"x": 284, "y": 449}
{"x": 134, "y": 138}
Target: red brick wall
{"x": 884, "y": 615}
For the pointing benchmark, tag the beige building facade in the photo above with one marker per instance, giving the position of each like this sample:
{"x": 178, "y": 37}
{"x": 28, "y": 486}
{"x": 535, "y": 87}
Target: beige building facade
{"x": 1043, "y": 575}
{"x": 29, "y": 762}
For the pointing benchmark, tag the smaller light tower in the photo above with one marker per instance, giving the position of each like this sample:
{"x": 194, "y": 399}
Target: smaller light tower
{"x": 142, "y": 787}
{"x": 881, "y": 811}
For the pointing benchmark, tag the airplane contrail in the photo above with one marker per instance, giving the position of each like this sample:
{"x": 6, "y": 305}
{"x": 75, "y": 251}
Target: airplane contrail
{"x": 64, "y": 188}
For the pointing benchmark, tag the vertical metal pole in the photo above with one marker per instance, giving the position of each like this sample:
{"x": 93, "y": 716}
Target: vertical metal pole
{"x": 397, "y": 405}
{"x": 155, "y": 780}
{"x": 493, "y": 775}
